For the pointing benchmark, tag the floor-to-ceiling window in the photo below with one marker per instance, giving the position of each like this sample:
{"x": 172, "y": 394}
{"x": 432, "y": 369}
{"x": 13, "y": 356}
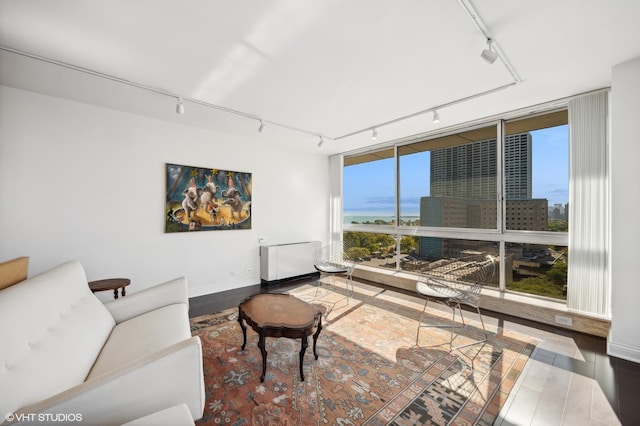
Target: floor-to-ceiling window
{"x": 500, "y": 188}
{"x": 536, "y": 203}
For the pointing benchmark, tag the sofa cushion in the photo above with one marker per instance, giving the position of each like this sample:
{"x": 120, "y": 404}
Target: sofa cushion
{"x": 52, "y": 329}
{"x": 141, "y": 336}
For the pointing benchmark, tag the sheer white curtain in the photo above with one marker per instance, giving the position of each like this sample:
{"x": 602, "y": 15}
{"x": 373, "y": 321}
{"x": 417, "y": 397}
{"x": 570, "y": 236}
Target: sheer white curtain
{"x": 588, "y": 283}
{"x": 335, "y": 197}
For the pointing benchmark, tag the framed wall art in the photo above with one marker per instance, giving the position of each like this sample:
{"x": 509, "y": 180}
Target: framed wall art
{"x": 206, "y": 199}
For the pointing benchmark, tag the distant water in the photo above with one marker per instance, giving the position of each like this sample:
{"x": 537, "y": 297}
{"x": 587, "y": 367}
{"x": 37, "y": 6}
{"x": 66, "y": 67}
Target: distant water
{"x": 388, "y": 219}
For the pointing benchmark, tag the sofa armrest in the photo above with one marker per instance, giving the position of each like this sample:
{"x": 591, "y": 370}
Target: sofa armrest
{"x": 134, "y": 304}
{"x": 166, "y": 378}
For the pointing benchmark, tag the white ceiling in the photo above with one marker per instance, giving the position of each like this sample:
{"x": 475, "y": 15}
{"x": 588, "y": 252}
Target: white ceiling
{"x": 326, "y": 67}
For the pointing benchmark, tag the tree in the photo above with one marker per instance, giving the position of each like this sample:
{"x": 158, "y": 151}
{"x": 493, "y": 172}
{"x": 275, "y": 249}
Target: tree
{"x": 379, "y": 242}
{"x": 558, "y": 273}
{"x": 356, "y": 252}
{"x": 385, "y": 243}
{"x": 408, "y": 244}
{"x": 542, "y": 286}
{"x": 556, "y": 225}
{"x": 372, "y": 242}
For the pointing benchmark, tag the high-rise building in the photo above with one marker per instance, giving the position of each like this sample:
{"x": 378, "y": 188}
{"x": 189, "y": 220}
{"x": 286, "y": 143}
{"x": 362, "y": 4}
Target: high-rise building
{"x": 463, "y": 187}
{"x": 465, "y": 171}
{"x": 469, "y": 171}
{"x": 517, "y": 166}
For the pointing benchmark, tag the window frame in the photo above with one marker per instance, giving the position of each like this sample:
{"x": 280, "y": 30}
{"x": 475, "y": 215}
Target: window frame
{"x": 501, "y": 234}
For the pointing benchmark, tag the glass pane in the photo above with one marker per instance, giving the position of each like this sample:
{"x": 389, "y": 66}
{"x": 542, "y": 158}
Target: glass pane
{"x": 432, "y": 252}
{"x": 536, "y": 170}
{"x": 369, "y": 189}
{"x": 537, "y": 269}
{"x": 376, "y": 250}
{"x": 451, "y": 181}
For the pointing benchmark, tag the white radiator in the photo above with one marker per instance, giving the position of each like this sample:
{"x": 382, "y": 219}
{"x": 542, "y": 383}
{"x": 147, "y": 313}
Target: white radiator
{"x": 282, "y": 261}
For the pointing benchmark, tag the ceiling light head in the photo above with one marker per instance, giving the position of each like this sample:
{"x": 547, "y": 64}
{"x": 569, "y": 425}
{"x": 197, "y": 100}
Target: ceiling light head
{"x": 374, "y": 134}
{"x": 321, "y": 142}
{"x": 262, "y": 126}
{"x": 488, "y": 54}
{"x": 180, "y": 107}
{"x": 436, "y": 117}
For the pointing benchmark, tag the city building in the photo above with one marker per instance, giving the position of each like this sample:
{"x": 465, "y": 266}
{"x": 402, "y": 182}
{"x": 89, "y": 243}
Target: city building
{"x": 463, "y": 190}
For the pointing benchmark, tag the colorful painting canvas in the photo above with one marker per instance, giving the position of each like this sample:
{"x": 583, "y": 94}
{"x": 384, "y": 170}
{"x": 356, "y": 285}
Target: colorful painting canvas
{"x": 206, "y": 199}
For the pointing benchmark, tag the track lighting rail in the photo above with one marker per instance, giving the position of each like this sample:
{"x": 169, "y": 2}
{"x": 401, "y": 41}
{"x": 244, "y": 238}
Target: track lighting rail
{"x": 488, "y": 55}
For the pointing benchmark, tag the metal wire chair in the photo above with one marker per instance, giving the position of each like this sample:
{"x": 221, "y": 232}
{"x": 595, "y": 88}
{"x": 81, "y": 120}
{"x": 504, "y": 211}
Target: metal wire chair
{"x": 455, "y": 282}
{"x": 335, "y": 260}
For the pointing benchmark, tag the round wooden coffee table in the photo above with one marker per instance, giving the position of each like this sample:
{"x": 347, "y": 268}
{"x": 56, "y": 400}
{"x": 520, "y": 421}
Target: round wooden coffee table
{"x": 280, "y": 315}
{"x": 110, "y": 284}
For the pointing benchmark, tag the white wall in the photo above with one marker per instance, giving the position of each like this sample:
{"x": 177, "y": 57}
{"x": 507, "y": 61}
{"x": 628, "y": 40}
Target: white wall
{"x": 83, "y": 182}
{"x": 624, "y": 338}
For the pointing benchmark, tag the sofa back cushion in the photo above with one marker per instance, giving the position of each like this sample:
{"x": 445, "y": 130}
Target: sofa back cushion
{"x": 52, "y": 329}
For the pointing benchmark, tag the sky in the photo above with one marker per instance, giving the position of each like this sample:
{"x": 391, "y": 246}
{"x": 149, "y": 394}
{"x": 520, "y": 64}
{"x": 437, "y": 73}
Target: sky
{"x": 369, "y": 188}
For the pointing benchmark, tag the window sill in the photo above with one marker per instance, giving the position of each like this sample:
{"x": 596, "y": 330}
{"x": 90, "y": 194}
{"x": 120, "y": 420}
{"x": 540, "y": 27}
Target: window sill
{"x": 528, "y": 307}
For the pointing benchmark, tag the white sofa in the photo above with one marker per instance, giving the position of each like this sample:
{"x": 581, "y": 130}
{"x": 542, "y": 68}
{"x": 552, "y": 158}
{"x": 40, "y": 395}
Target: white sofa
{"x": 65, "y": 355}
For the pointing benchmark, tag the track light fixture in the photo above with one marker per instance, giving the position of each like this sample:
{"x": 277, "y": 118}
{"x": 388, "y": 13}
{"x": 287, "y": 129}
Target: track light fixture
{"x": 180, "y": 107}
{"x": 321, "y": 142}
{"x": 436, "y": 117}
{"x": 374, "y": 134}
{"x": 488, "y": 54}
{"x": 262, "y": 126}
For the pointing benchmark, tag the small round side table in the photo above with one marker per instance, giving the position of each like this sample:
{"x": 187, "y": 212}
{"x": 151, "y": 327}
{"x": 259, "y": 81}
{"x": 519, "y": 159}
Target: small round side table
{"x": 110, "y": 284}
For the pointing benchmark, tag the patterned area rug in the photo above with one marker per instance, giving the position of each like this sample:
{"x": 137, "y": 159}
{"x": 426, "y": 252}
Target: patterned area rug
{"x": 372, "y": 369}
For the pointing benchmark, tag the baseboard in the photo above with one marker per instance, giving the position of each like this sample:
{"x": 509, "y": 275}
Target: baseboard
{"x": 620, "y": 350}
{"x": 217, "y": 287}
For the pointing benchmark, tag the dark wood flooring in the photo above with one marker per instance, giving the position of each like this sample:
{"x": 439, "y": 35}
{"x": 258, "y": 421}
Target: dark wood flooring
{"x": 619, "y": 379}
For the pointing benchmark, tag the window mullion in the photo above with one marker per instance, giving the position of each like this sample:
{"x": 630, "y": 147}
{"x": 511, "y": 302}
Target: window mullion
{"x": 500, "y": 208}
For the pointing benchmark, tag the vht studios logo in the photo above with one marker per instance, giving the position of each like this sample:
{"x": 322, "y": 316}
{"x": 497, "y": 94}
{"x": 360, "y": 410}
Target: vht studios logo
{"x": 44, "y": 417}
